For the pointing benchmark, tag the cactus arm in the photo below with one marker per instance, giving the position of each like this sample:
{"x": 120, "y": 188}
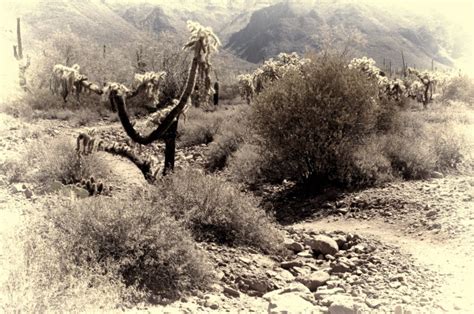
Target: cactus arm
{"x": 119, "y": 103}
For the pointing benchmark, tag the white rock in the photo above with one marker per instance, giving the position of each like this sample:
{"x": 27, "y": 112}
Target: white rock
{"x": 323, "y": 244}
{"x": 296, "y": 298}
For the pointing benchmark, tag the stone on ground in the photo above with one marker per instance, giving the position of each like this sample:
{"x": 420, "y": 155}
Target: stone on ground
{"x": 314, "y": 280}
{"x": 323, "y": 244}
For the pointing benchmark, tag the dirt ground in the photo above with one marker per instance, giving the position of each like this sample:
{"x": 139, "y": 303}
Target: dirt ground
{"x": 422, "y": 230}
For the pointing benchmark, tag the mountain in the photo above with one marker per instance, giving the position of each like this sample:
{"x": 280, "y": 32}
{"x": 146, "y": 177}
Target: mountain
{"x": 290, "y": 26}
{"x": 254, "y": 30}
{"x": 91, "y": 19}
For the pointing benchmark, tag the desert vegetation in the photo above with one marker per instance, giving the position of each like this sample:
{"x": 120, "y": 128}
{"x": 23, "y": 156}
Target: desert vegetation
{"x": 144, "y": 172}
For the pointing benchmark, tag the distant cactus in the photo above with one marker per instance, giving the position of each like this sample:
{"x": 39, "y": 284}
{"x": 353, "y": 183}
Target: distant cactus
{"x": 271, "y": 70}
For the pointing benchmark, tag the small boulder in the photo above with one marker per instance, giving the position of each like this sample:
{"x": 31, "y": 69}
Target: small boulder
{"x": 343, "y": 304}
{"x": 17, "y": 188}
{"x": 291, "y": 264}
{"x": 340, "y": 267}
{"x": 437, "y": 175}
{"x": 293, "y": 246}
{"x": 296, "y": 298}
{"x": 315, "y": 280}
{"x": 232, "y": 292}
{"x": 28, "y": 193}
{"x": 323, "y": 244}
{"x": 54, "y": 186}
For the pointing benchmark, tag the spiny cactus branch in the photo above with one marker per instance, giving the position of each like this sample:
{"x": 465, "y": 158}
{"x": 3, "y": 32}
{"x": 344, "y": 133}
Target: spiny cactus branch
{"x": 144, "y": 165}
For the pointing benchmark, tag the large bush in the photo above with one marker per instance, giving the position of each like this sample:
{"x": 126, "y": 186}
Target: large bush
{"x": 313, "y": 123}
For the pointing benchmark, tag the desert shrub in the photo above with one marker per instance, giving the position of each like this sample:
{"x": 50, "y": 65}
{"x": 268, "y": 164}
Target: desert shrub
{"x": 232, "y": 133}
{"x": 408, "y": 160}
{"x": 13, "y": 170}
{"x": 416, "y": 147}
{"x": 57, "y": 159}
{"x": 312, "y": 123}
{"x": 247, "y": 165}
{"x": 448, "y": 147}
{"x": 108, "y": 252}
{"x": 217, "y": 210}
{"x": 369, "y": 164}
{"x": 459, "y": 88}
{"x": 199, "y": 127}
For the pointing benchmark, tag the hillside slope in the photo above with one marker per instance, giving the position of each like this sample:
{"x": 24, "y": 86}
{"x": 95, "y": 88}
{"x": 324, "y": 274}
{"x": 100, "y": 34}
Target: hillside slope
{"x": 90, "y": 19}
{"x": 287, "y": 27}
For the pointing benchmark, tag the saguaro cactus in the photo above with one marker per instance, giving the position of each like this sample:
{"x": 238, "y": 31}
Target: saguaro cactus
{"x": 18, "y": 53}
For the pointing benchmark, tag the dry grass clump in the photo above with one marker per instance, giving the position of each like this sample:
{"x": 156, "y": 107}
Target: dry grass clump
{"x": 217, "y": 210}
{"x": 54, "y": 159}
{"x": 199, "y": 127}
{"x": 232, "y": 133}
{"x": 416, "y": 146}
{"x": 460, "y": 88}
{"x": 102, "y": 253}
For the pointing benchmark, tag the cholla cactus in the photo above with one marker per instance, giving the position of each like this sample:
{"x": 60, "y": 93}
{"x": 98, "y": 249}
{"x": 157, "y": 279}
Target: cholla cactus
{"x": 203, "y": 42}
{"x": 246, "y": 87}
{"x": 66, "y": 80}
{"x": 151, "y": 81}
{"x": 427, "y": 79}
{"x": 271, "y": 70}
{"x": 118, "y": 88}
{"x": 275, "y": 68}
{"x": 392, "y": 88}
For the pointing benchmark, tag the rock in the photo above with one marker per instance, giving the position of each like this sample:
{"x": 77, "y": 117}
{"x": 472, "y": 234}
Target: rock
{"x": 55, "y": 186}
{"x": 343, "y": 304}
{"x": 301, "y": 271}
{"x": 212, "y": 302}
{"x": 217, "y": 288}
{"x": 437, "y": 175}
{"x": 293, "y": 246}
{"x": 28, "y": 193}
{"x": 295, "y": 298}
{"x": 343, "y": 210}
{"x": 17, "y": 188}
{"x": 295, "y": 287}
{"x": 340, "y": 267}
{"x": 314, "y": 280}
{"x": 373, "y": 303}
{"x": 329, "y": 257}
{"x": 323, "y": 244}
{"x": 291, "y": 264}
{"x": 399, "y": 309}
{"x": 232, "y": 292}
{"x": 258, "y": 285}
{"x": 285, "y": 275}
{"x": 395, "y": 284}
{"x": 340, "y": 240}
{"x": 340, "y": 204}
{"x": 359, "y": 248}
{"x": 305, "y": 253}
{"x": 323, "y": 293}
